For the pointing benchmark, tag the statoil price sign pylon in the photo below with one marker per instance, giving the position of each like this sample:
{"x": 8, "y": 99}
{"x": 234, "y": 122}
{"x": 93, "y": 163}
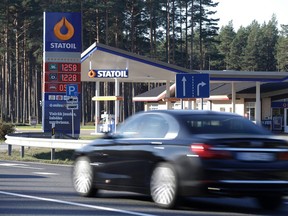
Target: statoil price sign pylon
{"x": 62, "y": 68}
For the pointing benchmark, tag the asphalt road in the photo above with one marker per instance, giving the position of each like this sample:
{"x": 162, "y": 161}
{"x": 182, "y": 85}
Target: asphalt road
{"x": 43, "y": 189}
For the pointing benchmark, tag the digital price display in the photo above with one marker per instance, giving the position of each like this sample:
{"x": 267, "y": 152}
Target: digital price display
{"x": 62, "y": 67}
{"x": 69, "y": 67}
{"x": 63, "y": 77}
{"x": 69, "y": 77}
{"x": 57, "y": 87}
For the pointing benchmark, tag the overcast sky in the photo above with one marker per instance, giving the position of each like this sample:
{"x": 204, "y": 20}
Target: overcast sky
{"x": 243, "y": 12}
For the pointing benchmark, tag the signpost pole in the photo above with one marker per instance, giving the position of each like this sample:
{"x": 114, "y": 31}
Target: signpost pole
{"x": 202, "y": 104}
{"x": 53, "y": 137}
{"x": 72, "y": 123}
{"x": 53, "y": 130}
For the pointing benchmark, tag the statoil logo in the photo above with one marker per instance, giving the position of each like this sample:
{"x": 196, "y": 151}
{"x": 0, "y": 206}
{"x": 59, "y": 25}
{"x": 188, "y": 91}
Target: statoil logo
{"x": 64, "y": 24}
{"x": 64, "y": 31}
{"x": 108, "y": 73}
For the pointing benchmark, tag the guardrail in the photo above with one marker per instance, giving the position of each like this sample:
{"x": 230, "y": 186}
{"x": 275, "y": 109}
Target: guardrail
{"x": 41, "y": 140}
{"x": 45, "y": 141}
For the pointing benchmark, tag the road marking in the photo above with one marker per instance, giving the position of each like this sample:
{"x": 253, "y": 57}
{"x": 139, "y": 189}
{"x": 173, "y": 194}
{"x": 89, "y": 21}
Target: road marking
{"x": 76, "y": 204}
{"x": 23, "y": 166}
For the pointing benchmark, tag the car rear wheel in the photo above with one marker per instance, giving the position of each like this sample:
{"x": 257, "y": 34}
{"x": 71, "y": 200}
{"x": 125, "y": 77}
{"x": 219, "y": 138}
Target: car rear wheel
{"x": 164, "y": 185}
{"x": 83, "y": 177}
{"x": 270, "y": 202}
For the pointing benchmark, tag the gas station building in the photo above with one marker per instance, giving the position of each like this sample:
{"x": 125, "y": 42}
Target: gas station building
{"x": 259, "y": 96}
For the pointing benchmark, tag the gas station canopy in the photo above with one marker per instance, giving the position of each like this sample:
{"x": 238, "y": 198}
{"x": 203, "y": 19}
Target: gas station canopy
{"x": 143, "y": 69}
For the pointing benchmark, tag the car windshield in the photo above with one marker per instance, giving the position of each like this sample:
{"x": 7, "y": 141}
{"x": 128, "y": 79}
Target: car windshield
{"x": 224, "y": 124}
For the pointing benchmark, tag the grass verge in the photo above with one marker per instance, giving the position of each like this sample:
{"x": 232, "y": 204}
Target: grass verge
{"x": 43, "y": 155}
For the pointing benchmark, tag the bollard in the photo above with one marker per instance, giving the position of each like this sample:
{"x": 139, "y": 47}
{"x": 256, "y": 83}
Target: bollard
{"x": 22, "y": 152}
{"x": 52, "y": 154}
{"x": 9, "y": 150}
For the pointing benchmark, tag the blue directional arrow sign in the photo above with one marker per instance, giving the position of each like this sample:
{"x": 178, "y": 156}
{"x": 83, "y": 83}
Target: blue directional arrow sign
{"x": 192, "y": 86}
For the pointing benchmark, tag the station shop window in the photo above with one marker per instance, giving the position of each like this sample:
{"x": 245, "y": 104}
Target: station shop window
{"x": 250, "y": 110}
{"x": 277, "y": 112}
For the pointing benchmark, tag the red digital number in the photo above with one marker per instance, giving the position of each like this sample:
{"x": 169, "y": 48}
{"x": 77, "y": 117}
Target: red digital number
{"x": 58, "y": 87}
{"x": 67, "y": 77}
{"x": 69, "y": 67}
{"x": 62, "y": 87}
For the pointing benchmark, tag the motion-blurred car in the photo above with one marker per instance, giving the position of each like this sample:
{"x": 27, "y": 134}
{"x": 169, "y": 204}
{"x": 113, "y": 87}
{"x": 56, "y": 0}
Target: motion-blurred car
{"x": 173, "y": 153}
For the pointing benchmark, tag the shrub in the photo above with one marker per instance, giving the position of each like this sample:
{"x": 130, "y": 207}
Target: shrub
{"x": 6, "y": 128}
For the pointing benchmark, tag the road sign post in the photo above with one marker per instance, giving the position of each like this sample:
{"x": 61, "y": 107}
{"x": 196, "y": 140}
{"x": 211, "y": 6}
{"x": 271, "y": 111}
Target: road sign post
{"x": 72, "y": 101}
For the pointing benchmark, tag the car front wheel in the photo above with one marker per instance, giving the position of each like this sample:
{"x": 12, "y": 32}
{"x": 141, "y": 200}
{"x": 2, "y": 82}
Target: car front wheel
{"x": 164, "y": 185}
{"x": 83, "y": 177}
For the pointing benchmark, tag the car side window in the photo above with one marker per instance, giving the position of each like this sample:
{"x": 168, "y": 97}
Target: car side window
{"x": 147, "y": 126}
{"x": 130, "y": 129}
{"x": 221, "y": 124}
{"x": 153, "y": 127}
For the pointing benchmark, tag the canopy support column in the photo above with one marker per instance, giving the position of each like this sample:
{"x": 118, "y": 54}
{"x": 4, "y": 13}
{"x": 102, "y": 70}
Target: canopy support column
{"x": 117, "y": 108}
{"x": 97, "y": 90}
{"x": 258, "y": 104}
{"x": 233, "y": 97}
{"x": 168, "y": 94}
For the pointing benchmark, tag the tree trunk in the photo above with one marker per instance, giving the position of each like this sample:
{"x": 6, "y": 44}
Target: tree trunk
{"x": 168, "y": 31}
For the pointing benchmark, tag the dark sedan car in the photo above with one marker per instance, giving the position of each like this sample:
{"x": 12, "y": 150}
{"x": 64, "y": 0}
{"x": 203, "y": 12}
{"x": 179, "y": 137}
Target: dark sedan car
{"x": 173, "y": 153}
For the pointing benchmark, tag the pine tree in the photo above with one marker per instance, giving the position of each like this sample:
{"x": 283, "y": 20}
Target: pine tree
{"x": 282, "y": 47}
{"x": 237, "y": 51}
{"x": 207, "y": 26}
{"x": 267, "y": 48}
{"x": 251, "y": 56}
{"x": 226, "y": 37}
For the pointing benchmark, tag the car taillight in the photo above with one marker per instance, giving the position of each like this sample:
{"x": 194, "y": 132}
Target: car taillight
{"x": 283, "y": 156}
{"x": 206, "y": 151}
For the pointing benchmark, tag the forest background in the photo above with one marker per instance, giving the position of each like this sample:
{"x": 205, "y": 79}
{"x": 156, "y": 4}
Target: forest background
{"x": 180, "y": 32}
